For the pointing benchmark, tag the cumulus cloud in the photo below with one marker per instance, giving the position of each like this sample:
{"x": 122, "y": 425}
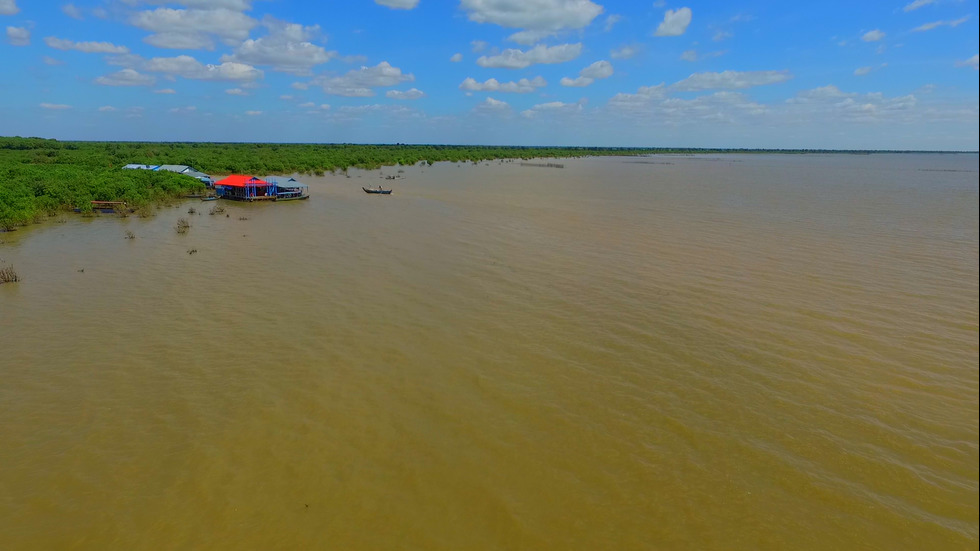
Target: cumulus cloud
{"x": 107, "y": 109}
{"x": 236, "y": 92}
{"x": 9, "y": 7}
{"x": 861, "y": 71}
{"x": 722, "y": 35}
{"x": 126, "y": 77}
{"x": 180, "y": 41}
{"x": 519, "y": 59}
{"x": 538, "y": 18}
{"x": 87, "y": 47}
{"x": 165, "y": 91}
{"x": 456, "y": 58}
{"x": 478, "y": 46}
{"x": 624, "y": 52}
{"x": 411, "y": 93}
{"x": 693, "y": 55}
{"x": 873, "y": 36}
{"x": 359, "y": 83}
{"x": 492, "y": 105}
{"x": 398, "y": 4}
{"x": 935, "y": 24}
{"x": 48, "y": 60}
{"x": 522, "y": 86}
{"x": 228, "y": 24}
{"x": 675, "y": 22}
{"x": 643, "y": 97}
{"x": 179, "y": 110}
{"x": 553, "y": 107}
{"x": 829, "y": 102}
{"x": 971, "y": 62}
{"x": 55, "y": 106}
{"x": 917, "y": 4}
{"x": 187, "y": 67}
{"x": 598, "y": 70}
{"x": 71, "y": 10}
{"x": 287, "y": 48}
{"x": 730, "y": 80}
{"x": 18, "y": 36}
{"x": 611, "y": 22}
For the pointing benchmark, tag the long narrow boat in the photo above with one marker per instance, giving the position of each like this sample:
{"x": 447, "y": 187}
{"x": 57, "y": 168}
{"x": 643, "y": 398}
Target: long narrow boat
{"x": 378, "y": 191}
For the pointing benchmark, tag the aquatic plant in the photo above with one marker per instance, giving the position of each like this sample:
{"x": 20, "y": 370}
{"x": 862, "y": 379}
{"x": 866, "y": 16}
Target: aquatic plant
{"x": 217, "y": 209}
{"x": 130, "y": 235}
{"x": 192, "y": 210}
{"x": 182, "y": 225}
{"x": 8, "y": 275}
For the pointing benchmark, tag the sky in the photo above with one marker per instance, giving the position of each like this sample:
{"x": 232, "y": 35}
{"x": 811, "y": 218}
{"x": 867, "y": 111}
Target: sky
{"x": 664, "y": 73}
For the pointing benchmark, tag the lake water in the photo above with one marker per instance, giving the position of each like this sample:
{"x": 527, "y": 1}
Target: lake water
{"x": 668, "y": 352}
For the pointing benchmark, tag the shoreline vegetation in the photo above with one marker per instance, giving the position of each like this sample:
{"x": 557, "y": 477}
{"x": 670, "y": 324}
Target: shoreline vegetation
{"x": 41, "y": 177}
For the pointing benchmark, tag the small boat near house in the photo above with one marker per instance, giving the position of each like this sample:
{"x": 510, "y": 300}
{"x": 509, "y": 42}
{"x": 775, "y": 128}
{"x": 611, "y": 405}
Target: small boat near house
{"x": 377, "y": 191}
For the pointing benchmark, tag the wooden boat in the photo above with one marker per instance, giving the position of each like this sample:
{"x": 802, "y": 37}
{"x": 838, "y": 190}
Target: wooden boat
{"x": 210, "y": 198}
{"x": 378, "y": 191}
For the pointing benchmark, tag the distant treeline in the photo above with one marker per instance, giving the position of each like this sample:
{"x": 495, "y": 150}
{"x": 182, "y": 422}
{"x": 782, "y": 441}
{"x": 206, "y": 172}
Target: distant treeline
{"x": 39, "y": 176}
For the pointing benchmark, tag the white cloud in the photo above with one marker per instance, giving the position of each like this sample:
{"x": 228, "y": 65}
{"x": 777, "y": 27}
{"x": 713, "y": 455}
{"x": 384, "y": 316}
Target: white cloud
{"x": 87, "y": 47}
{"x": 9, "y": 7}
{"x": 286, "y": 97}
{"x": 55, "y": 106}
{"x": 971, "y": 62}
{"x": 165, "y": 91}
{"x": 187, "y": 109}
{"x": 643, "y": 97}
{"x": 598, "y": 70}
{"x": 18, "y": 36}
{"x": 253, "y": 113}
{"x": 611, "y": 22}
{"x": 359, "y": 83}
{"x": 490, "y": 105}
{"x": 126, "y": 77}
{"x": 398, "y": 4}
{"x": 873, "y": 36}
{"x": 553, "y": 107}
{"x": 48, "y": 60}
{"x": 861, "y": 71}
{"x": 829, "y": 102}
{"x": 917, "y": 4}
{"x": 577, "y": 82}
{"x": 190, "y": 68}
{"x": 519, "y": 59}
{"x": 478, "y": 46}
{"x": 411, "y": 93}
{"x": 675, "y": 22}
{"x": 71, "y": 10}
{"x": 539, "y": 18}
{"x": 456, "y": 58}
{"x": 236, "y": 92}
{"x": 730, "y": 80}
{"x": 307, "y": 105}
{"x": 722, "y": 35}
{"x": 660, "y": 3}
{"x": 287, "y": 48}
{"x": 693, "y": 55}
{"x": 226, "y": 23}
{"x": 522, "y": 86}
{"x": 107, "y": 109}
{"x": 234, "y": 5}
{"x": 180, "y": 41}
{"x": 624, "y": 52}
{"x": 935, "y": 24}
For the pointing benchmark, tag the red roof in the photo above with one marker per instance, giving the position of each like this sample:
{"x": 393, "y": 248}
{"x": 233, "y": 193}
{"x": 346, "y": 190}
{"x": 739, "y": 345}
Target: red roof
{"x": 241, "y": 180}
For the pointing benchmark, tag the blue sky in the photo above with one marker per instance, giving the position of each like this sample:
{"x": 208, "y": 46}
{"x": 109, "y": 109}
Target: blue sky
{"x": 875, "y": 75}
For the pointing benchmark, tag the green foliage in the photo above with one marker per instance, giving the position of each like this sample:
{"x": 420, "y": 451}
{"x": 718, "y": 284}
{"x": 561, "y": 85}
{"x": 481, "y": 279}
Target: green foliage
{"x": 38, "y": 176}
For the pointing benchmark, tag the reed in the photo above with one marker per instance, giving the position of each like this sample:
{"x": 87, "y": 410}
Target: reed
{"x": 8, "y": 275}
{"x": 192, "y": 210}
{"x": 130, "y": 235}
{"x": 182, "y": 225}
{"x": 217, "y": 209}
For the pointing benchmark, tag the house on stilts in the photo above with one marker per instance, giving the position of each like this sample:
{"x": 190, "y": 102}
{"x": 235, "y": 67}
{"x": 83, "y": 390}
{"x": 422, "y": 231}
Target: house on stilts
{"x": 244, "y": 187}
